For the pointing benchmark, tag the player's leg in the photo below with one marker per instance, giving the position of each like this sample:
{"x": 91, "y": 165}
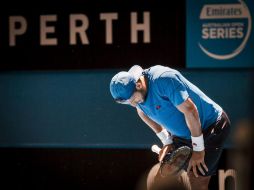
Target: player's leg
{"x": 200, "y": 183}
{"x": 184, "y": 179}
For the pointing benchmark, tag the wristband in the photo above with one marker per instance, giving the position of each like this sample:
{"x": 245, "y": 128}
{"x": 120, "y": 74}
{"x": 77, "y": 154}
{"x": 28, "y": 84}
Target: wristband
{"x": 165, "y": 137}
{"x": 198, "y": 143}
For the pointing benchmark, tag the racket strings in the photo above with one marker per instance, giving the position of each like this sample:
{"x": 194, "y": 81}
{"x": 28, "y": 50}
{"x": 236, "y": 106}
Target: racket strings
{"x": 173, "y": 163}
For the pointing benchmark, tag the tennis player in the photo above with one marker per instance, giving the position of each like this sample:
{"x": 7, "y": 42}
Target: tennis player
{"x": 179, "y": 113}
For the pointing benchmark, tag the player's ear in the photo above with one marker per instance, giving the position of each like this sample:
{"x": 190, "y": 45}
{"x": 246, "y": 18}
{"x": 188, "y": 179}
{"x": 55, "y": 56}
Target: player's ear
{"x": 139, "y": 85}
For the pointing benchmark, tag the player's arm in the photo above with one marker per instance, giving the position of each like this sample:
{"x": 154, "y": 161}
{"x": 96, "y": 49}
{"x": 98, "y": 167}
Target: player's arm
{"x": 162, "y": 133}
{"x": 189, "y": 109}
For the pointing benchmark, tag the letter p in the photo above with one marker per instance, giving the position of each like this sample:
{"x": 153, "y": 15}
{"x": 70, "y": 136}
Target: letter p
{"x": 15, "y": 30}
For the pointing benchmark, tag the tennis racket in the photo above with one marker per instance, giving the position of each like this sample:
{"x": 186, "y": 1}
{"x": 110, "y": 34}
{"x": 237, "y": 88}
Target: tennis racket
{"x": 175, "y": 161}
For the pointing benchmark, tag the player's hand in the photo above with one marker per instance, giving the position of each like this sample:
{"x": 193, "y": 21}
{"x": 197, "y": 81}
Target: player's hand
{"x": 163, "y": 152}
{"x": 197, "y": 162}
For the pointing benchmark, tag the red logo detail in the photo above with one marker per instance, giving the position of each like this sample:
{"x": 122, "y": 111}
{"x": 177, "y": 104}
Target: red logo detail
{"x": 158, "y": 107}
{"x": 194, "y": 144}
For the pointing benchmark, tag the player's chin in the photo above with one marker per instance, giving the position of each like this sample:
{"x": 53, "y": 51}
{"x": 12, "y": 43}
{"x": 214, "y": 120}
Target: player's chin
{"x": 142, "y": 100}
{"x": 135, "y": 104}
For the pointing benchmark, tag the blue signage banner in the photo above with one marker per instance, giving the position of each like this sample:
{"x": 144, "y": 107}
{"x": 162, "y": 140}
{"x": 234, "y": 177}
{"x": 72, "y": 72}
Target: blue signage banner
{"x": 219, "y": 34}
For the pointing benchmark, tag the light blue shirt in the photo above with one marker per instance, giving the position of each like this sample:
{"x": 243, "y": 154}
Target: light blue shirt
{"x": 168, "y": 88}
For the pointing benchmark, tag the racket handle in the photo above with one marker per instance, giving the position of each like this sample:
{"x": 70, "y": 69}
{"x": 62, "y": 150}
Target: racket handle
{"x": 156, "y": 149}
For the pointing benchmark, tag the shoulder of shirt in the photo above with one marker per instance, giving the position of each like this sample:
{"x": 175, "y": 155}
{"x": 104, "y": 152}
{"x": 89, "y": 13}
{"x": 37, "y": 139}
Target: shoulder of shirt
{"x": 159, "y": 76}
{"x": 159, "y": 72}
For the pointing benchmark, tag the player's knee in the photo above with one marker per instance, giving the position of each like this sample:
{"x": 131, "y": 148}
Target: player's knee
{"x": 200, "y": 183}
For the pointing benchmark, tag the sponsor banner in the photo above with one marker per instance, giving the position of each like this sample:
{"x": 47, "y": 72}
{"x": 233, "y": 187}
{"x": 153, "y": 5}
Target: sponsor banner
{"x": 91, "y": 34}
{"x": 220, "y": 34}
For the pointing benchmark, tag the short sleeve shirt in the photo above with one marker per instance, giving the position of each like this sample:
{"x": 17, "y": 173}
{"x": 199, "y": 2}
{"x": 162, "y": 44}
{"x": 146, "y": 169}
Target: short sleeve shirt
{"x": 168, "y": 88}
